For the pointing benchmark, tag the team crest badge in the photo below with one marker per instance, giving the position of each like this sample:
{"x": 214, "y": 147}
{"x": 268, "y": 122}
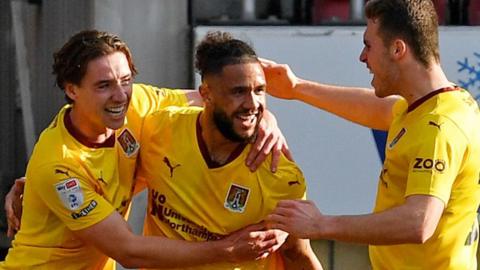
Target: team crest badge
{"x": 70, "y": 193}
{"x": 397, "y": 138}
{"x": 127, "y": 141}
{"x": 237, "y": 198}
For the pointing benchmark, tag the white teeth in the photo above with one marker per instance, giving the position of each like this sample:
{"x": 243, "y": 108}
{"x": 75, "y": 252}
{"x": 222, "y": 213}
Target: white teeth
{"x": 115, "y": 110}
{"x": 248, "y": 117}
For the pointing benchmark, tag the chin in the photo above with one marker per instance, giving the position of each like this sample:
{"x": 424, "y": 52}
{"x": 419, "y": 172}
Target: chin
{"x": 115, "y": 126}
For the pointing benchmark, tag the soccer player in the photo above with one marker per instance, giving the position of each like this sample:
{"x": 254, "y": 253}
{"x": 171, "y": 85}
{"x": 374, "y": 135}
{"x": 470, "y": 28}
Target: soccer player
{"x": 428, "y": 189}
{"x": 81, "y": 173}
{"x": 199, "y": 187}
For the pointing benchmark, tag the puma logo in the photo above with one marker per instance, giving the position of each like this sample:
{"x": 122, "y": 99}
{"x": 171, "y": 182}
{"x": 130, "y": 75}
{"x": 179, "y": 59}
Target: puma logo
{"x": 58, "y": 171}
{"x": 291, "y": 183}
{"x": 431, "y": 123}
{"x": 101, "y": 178}
{"x": 170, "y": 166}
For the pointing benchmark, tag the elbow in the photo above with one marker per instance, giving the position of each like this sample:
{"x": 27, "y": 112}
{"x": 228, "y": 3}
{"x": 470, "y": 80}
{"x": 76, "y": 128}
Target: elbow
{"x": 421, "y": 234}
{"x": 127, "y": 261}
{"x": 126, "y": 258}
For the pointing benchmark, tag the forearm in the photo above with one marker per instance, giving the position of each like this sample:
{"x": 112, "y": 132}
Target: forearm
{"x": 160, "y": 252}
{"x": 394, "y": 226}
{"x": 359, "y": 105}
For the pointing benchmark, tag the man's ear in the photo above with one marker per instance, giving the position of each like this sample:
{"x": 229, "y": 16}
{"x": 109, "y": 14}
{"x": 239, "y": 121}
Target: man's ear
{"x": 398, "y": 49}
{"x": 71, "y": 91}
{"x": 204, "y": 92}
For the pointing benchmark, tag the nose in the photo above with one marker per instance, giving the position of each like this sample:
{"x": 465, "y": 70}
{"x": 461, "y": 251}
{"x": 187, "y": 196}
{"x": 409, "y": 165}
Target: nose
{"x": 120, "y": 92}
{"x": 363, "y": 56}
{"x": 251, "y": 101}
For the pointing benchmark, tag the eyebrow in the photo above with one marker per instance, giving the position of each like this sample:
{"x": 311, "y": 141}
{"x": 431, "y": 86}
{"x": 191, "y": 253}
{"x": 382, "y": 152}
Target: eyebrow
{"x": 126, "y": 76}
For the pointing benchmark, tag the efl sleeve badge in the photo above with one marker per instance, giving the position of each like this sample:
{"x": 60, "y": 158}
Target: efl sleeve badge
{"x": 70, "y": 193}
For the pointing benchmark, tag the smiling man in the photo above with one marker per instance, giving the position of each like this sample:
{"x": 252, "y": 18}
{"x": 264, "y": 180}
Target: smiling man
{"x": 81, "y": 173}
{"x": 205, "y": 191}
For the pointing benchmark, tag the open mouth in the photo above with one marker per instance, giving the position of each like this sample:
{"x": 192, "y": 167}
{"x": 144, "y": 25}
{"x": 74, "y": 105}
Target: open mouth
{"x": 116, "y": 111}
{"x": 248, "y": 118}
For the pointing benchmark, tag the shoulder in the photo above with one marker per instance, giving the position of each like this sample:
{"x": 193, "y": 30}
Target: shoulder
{"x": 169, "y": 118}
{"x": 52, "y": 142}
{"x": 287, "y": 180}
{"x": 170, "y": 114}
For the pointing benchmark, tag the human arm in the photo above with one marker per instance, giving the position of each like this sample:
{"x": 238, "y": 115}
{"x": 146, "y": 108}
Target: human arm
{"x": 359, "y": 105}
{"x": 298, "y": 254}
{"x": 269, "y": 140}
{"x": 412, "y": 222}
{"x": 13, "y": 206}
{"x": 113, "y": 237}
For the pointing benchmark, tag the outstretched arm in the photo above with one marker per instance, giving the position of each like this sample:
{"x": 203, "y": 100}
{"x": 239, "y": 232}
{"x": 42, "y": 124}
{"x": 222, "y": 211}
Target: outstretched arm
{"x": 113, "y": 237}
{"x": 413, "y": 222}
{"x": 359, "y": 105}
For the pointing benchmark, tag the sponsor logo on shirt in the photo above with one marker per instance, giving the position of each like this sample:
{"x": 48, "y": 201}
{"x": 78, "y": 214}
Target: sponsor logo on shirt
{"x": 128, "y": 143}
{"x": 236, "y": 199}
{"x": 85, "y": 211}
{"x": 170, "y": 165}
{"x": 428, "y": 164}
{"x": 70, "y": 193}
{"x": 397, "y": 138}
{"x": 431, "y": 123}
{"x": 162, "y": 211}
{"x": 64, "y": 172}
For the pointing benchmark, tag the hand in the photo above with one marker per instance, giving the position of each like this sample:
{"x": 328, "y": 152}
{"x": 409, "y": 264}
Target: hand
{"x": 300, "y": 218}
{"x": 253, "y": 243}
{"x": 281, "y": 81}
{"x": 269, "y": 140}
{"x": 13, "y": 206}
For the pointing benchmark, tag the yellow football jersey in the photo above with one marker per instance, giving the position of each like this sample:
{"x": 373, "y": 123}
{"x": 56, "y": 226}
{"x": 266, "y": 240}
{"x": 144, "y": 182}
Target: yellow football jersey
{"x": 433, "y": 148}
{"x": 72, "y": 186}
{"x": 188, "y": 199}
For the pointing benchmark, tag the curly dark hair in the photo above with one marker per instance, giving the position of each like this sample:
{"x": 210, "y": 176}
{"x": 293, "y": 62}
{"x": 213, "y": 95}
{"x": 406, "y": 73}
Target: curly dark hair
{"x": 415, "y": 21}
{"x": 70, "y": 62}
{"x": 219, "y": 49}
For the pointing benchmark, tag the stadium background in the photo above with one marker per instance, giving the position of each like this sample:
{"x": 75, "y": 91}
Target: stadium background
{"x": 320, "y": 39}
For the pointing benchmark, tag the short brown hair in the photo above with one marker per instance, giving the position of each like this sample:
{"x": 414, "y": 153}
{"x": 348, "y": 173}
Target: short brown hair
{"x": 70, "y": 62}
{"x": 415, "y": 21}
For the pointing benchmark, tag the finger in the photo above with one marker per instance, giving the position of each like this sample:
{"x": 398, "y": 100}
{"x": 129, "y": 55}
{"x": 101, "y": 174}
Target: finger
{"x": 276, "y": 222}
{"x": 266, "y": 246}
{"x": 254, "y": 227}
{"x": 285, "y": 204}
{"x": 286, "y": 150}
{"x": 10, "y": 213}
{"x": 10, "y": 231}
{"x": 276, "y": 154}
{"x": 266, "y": 62}
{"x": 13, "y": 221}
{"x": 258, "y": 144}
{"x": 263, "y": 256}
{"x": 263, "y": 153}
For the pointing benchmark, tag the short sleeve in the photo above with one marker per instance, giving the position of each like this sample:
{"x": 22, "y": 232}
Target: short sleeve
{"x": 69, "y": 195}
{"x": 435, "y": 158}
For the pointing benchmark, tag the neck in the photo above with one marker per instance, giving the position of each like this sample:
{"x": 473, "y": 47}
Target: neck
{"x": 418, "y": 81}
{"x": 219, "y": 148}
{"x": 86, "y": 131}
